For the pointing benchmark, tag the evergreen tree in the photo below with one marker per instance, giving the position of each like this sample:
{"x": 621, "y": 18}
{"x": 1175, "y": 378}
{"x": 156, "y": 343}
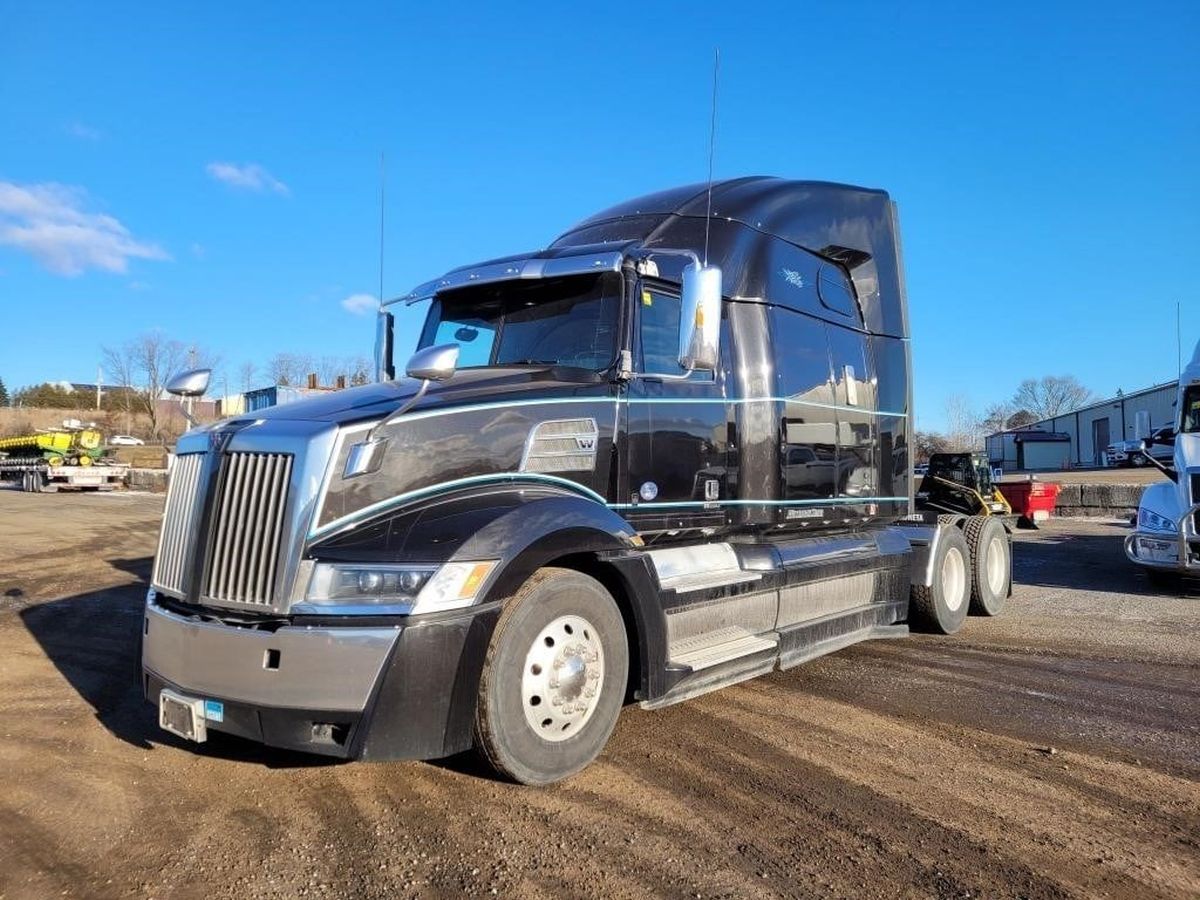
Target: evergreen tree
{"x": 3, "y": 393}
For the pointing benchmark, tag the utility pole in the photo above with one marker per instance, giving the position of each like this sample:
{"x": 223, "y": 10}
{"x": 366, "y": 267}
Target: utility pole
{"x": 99, "y": 378}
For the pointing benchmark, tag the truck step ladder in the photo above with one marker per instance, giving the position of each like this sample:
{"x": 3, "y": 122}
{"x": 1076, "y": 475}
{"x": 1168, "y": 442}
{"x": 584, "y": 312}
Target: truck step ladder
{"x": 715, "y": 647}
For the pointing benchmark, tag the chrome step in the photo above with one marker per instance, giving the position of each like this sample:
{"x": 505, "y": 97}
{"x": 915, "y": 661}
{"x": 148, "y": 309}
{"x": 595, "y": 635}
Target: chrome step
{"x": 715, "y": 647}
{"x": 699, "y": 566}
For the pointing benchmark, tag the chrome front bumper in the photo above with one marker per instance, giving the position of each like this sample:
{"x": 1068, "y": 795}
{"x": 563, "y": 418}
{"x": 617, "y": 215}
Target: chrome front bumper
{"x": 1179, "y": 552}
{"x": 300, "y": 668}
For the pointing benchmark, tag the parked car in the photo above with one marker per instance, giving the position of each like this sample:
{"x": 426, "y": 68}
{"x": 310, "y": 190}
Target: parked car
{"x": 1131, "y": 452}
{"x": 125, "y": 440}
{"x": 1162, "y": 445}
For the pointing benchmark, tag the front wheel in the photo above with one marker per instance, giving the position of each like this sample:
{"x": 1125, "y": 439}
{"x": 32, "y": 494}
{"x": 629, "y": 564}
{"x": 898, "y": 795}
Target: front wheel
{"x": 554, "y": 679}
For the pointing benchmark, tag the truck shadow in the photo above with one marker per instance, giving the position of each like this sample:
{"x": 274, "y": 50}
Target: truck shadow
{"x": 1086, "y": 562}
{"x": 92, "y": 639}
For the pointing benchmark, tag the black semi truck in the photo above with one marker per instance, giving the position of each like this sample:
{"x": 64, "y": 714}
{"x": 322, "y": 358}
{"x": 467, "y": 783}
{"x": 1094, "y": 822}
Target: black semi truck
{"x": 668, "y": 453}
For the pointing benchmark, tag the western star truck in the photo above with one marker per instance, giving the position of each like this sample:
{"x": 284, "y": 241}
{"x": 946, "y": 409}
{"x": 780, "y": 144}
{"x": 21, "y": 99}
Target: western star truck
{"x": 668, "y": 453}
{"x": 1166, "y": 541}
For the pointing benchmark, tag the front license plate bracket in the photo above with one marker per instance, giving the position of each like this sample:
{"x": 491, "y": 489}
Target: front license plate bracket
{"x": 183, "y": 716}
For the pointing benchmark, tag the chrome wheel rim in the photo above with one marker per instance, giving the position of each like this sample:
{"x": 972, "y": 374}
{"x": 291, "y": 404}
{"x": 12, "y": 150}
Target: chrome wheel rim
{"x": 954, "y": 579}
{"x": 997, "y": 570}
{"x": 563, "y": 675}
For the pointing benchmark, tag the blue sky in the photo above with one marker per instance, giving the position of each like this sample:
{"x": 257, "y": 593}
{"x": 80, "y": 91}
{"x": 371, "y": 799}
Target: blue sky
{"x": 213, "y": 172}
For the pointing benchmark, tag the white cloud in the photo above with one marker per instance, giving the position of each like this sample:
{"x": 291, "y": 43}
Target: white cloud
{"x": 83, "y": 132}
{"x": 49, "y": 222}
{"x": 360, "y": 304}
{"x": 249, "y": 176}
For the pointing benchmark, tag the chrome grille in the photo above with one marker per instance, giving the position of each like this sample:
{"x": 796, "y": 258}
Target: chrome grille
{"x": 175, "y": 538}
{"x": 247, "y": 528}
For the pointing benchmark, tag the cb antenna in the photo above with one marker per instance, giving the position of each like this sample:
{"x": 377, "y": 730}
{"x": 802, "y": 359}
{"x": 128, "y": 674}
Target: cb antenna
{"x": 712, "y": 147}
{"x": 382, "y": 183}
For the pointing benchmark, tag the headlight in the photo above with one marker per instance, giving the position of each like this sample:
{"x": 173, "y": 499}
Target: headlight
{"x": 1152, "y": 521}
{"x": 393, "y": 589}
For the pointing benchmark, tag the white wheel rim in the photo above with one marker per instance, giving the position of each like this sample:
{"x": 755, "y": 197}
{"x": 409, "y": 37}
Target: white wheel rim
{"x": 996, "y": 568}
{"x": 954, "y": 579}
{"x": 562, "y": 679}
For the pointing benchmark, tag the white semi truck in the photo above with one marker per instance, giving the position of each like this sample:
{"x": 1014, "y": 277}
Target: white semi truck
{"x": 1166, "y": 542}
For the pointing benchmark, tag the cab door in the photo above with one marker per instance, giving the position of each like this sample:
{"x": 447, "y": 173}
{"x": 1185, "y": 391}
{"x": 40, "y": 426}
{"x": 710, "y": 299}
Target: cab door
{"x": 677, "y": 471}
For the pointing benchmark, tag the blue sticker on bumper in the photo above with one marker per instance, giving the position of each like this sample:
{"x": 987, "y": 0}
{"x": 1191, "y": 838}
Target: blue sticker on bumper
{"x": 214, "y": 710}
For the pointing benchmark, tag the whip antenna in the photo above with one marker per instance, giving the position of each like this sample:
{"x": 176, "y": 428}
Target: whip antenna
{"x": 382, "y": 183}
{"x": 712, "y": 146}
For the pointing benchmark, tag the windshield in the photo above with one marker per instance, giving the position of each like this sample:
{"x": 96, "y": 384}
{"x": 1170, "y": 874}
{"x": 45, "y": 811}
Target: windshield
{"x": 1191, "y": 410}
{"x": 554, "y": 321}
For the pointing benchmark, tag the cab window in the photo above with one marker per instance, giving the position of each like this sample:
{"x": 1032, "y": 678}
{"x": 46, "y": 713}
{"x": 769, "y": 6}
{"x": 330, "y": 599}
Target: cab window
{"x": 1191, "y": 410}
{"x": 659, "y": 317}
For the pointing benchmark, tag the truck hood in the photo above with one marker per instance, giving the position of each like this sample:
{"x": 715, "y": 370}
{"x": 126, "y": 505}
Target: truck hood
{"x": 374, "y": 401}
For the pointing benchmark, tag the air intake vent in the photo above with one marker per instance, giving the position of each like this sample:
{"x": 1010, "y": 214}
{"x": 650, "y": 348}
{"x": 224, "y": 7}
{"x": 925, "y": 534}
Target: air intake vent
{"x": 247, "y": 528}
{"x": 561, "y": 445}
{"x": 175, "y": 539}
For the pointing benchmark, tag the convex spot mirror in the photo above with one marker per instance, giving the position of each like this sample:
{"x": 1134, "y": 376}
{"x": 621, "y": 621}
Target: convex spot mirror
{"x": 192, "y": 383}
{"x": 433, "y": 363}
{"x": 700, "y": 319}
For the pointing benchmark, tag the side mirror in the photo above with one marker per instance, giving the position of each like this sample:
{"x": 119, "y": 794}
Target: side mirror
{"x": 700, "y": 319}
{"x": 433, "y": 363}
{"x": 189, "y": 384}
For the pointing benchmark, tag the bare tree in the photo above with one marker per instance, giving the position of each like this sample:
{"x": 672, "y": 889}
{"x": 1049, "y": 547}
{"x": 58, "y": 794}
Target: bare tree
{"x": 1020, "y": 419}
{"x": 284, "y": 369}
{"x": 995, "y": 418}
{"x": 963, "y": 430}
{"x": 247, "y": 373}
{"x": 1051, "y": 395}
{"x": 142, "y": 368}
{"x": 328, "y": 368}
{"x": 927, "y": 443}
{"x": 360, "y": 370}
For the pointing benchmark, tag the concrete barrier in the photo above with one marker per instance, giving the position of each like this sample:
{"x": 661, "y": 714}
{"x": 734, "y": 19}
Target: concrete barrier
{"x": 1099, "y": 500}
{"x": 154, "y": 480}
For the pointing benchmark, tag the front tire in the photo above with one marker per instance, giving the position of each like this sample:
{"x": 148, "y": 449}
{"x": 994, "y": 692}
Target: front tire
{"x": 1164, "y": 580}
{"x": 554, "y": 678}
{"x": 941, "y": 607}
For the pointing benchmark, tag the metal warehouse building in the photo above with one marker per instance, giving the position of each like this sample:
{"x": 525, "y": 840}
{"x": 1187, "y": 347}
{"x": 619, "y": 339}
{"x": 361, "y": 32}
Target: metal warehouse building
{"x": 1078, "y": 438}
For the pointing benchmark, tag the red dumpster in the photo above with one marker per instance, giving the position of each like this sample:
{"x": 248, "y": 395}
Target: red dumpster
{"x": 1031, "y": 500}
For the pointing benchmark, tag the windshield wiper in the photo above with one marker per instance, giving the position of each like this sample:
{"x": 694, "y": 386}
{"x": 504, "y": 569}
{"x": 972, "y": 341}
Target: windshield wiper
{"x": 530, "y": 362}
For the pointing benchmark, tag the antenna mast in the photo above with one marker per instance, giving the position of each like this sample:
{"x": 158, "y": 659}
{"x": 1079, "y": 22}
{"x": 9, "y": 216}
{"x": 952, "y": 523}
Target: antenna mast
{"x": 382, "y": 183}
{"x": 712, "y": 146}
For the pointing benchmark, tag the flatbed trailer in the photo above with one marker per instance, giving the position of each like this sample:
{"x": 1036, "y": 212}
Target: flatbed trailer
{"x": 36, "y": 475}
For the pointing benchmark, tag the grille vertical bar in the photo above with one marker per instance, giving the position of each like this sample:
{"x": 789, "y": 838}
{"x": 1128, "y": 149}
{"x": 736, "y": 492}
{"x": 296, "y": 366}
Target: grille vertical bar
{"x": 247, "y": 528}
{"x": 175, "y": 538}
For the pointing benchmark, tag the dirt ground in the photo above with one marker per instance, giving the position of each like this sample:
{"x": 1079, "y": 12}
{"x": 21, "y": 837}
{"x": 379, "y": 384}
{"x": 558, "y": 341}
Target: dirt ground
{"x": 1053, "y": 751}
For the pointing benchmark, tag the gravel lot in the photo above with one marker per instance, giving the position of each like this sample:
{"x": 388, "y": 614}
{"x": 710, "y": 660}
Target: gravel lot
{"x": 1053, "y": 751}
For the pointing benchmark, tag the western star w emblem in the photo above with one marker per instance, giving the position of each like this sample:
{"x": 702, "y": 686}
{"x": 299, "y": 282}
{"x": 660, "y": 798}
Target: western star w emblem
{"x": 585, "y": 443}
{"x": 217, "y": 440}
